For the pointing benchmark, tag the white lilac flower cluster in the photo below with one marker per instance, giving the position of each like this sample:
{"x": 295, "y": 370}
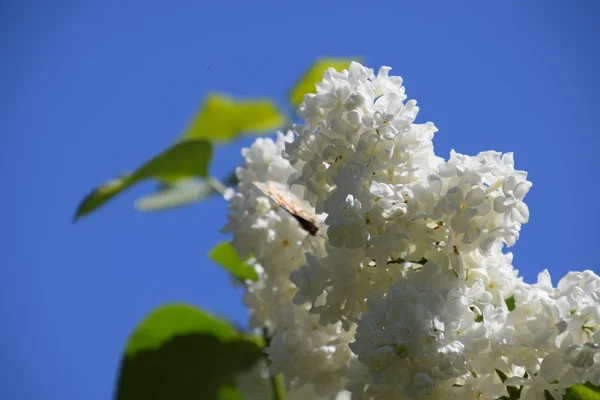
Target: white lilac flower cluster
{"x": 306, "y": 352}
{"x": 406, "y": 291}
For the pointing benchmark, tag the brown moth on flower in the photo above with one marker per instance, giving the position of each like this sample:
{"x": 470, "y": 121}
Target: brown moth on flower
{"x": 284, "y": 198}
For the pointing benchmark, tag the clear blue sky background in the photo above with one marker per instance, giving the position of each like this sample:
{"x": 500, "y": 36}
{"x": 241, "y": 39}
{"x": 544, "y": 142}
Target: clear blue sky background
{"x": 90, "y": 89}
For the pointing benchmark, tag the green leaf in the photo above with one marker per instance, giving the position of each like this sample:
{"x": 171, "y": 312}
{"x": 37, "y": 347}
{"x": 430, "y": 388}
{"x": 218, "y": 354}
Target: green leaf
{"x": 183, "y": 160}
{"x": 510, "y": 303}
{"x": 180, "y": 193}
{"x": 180, "y": 352}
{"x": 314, "y": 74}
{"x": 513, "y": 392}
{"x": 583, "y": 392}
{"x": 221, "y": 118}
{"x": 176, "y": 194}
{"x": 176, "y": 319}
{"x": 226, "y": 256}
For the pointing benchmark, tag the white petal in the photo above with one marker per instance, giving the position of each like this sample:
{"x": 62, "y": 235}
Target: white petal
{"x": 325, "y": 100}
{"x": 340, "y": 126}
{"x": 509, "y": 184}
{"x": 455, "y": 196}
{"x": 460, "y": 224}
{"x": 521, "y": 189}
{"x": 394, "y": 106}
{"x": 471, "y": 178}
{"x": 523, "y": 212}
{"x": 447, "y": 170}
{"x": 483, "y": 209}
{"x": 475, "y": 197}
{"x": 499, "y": 205}
{"x": 354, "y": 118}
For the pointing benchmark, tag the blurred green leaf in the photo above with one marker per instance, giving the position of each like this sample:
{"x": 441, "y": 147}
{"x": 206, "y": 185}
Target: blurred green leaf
{"x": 227, "y": 257}
{"x": 183, "y": 160}
{"x": 314, "y": 74}
{"x": 180, "y": 193}
{"x": 221, "y": 118}
{"x": 176, "y": 194}
{"x": 180, "y": 352}
{"x": 583, "y": 392}
{"x": 176, "y": 319}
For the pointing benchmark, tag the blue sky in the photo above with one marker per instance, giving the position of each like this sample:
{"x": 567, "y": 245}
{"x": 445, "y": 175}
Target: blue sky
{"x": 90, "y": 89}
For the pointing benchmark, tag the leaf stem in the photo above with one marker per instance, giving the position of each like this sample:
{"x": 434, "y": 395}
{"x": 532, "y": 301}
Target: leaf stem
{"x": 276, "y": 380}
{"x": 216, "y": 185}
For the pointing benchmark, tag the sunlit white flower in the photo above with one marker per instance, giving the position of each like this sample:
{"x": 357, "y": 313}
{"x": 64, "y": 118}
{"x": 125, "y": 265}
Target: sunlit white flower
{"x": 406, "y": 291}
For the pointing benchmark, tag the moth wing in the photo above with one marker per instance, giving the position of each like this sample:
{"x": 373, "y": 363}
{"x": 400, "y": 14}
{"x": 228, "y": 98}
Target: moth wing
{"x": 286, "y": 199}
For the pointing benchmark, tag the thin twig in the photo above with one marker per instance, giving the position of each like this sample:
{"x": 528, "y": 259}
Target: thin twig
{"x": 276, "y": 380}
{"x": 216, "y": 185}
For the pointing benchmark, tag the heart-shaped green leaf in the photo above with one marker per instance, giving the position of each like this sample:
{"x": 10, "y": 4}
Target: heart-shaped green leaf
{"x": 222, "y": 118}
{"x": 184, "y": 159}
{"x": 180, "y": 352}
